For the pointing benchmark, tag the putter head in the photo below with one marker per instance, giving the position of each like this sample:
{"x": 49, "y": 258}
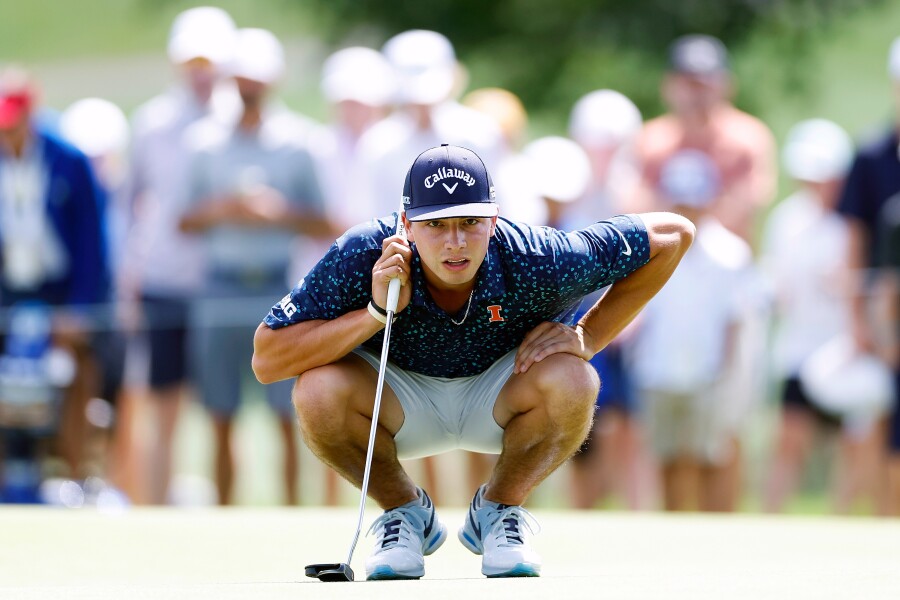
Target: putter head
{"x": 330, "y": 572}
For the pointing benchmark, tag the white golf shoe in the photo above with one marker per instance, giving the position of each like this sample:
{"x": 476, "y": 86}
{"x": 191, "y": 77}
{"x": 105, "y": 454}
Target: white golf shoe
{"x": 405, "y": 535}
{"x": 500, "y": 533}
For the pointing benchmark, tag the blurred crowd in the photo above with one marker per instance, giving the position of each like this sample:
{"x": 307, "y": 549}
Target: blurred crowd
{"x": 137, "y": 257}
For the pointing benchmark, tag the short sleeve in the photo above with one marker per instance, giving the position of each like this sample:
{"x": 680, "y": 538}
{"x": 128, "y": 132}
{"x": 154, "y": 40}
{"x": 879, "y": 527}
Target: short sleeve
{"x": 616, "y": 248}
{"x": 319, "y": 295}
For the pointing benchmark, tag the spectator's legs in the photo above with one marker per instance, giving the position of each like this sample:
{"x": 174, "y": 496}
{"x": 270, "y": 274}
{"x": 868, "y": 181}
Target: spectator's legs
{"x": 290, "y": 463}
{"x": 332, "y": 487}
{"x": 893, "y": 496}
{"x": 681, "y": 482}
{"x": 224, "y": 458}
{"x": 73, "y": 427}
{"x": 716, "y": 487}
{"x": 430, "y": 477}
{"x": 166, "y": 405}
{"x": 795, "y": 438}
{"x": 856, "y": 468}
{"x": 478, "y": 468}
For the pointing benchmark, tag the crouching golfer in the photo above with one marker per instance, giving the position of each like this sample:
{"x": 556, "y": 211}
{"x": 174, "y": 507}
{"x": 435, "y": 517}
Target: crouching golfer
{"x": 479, "y": 359}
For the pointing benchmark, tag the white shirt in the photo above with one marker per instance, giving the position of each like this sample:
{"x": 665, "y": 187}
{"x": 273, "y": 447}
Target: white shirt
{"x": 604, "y": 199}
{"x": 32, "y": 250}
{"x": 342, "y": 176}
{"x": 682, "y": 337}
{"x": 169, "y": 262}
{"x": 804, "y": 255}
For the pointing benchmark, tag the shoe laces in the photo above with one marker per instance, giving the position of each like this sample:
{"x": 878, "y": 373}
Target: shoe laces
{"x": 397, "y": 525}
{"x": 509, "y": 521}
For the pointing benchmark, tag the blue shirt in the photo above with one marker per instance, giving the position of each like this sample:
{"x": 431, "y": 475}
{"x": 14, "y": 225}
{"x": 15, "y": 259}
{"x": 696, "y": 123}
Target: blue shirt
{"x": 72, "y": 203}
{"x": 874, "y": 179}
{"x": 530, "y": 275}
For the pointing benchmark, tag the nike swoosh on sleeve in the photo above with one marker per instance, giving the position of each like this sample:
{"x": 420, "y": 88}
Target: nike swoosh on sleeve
{"x": 627, "y": 250}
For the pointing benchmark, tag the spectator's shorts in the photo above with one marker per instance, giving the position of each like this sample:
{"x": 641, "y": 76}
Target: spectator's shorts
{"x": 794, "y": 397}
{"x": 167, "y": 336}
{"x": 687, "y": 425}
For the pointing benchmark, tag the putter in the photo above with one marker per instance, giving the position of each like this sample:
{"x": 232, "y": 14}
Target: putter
{"x": 342, "y": 571}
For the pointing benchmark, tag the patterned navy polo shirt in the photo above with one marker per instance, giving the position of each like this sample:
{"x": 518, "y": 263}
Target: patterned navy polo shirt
{"x": 530, "y": 275}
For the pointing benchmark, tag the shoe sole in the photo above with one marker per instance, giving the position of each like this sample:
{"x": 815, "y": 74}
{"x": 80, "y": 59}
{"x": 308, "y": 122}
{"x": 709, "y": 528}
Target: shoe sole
{"x": 438, "y": 541}
{"x": 385, "y": 573}
{"x": 471, "y": 545}
{"x": 520, "y": 570}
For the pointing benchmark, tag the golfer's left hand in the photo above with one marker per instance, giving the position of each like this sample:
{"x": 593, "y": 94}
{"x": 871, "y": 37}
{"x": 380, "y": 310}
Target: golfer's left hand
{"x": 552, "y": 338}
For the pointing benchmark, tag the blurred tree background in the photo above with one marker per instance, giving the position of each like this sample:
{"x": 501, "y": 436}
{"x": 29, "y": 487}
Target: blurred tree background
{"x": 550, "y": 53}
{"x": 788, "y": 55}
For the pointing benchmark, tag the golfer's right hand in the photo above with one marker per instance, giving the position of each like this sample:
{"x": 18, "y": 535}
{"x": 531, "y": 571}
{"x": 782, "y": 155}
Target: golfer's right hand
{"x": 395, "y": 261}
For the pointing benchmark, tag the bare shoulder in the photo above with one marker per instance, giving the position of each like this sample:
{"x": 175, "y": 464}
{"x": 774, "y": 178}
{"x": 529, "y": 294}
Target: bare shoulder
{"x": 745, "y": 129}
{"x": 659, "y": 136}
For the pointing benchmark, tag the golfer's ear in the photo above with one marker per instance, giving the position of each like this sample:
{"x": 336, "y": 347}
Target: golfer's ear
{"x": 407, "y": 224}
{"x": 493, "y": 224}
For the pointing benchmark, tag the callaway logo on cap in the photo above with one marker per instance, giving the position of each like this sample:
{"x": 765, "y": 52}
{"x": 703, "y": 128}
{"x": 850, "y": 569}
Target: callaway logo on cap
{"x": 447, "y": 182}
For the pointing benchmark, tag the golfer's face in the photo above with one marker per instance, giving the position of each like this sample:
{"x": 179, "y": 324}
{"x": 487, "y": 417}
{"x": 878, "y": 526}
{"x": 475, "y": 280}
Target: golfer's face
{"x": 451, "y": 250}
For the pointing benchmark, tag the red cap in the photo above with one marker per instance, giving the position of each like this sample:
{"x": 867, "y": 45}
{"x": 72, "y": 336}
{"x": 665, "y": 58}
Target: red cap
{"x": 13, "y": 107}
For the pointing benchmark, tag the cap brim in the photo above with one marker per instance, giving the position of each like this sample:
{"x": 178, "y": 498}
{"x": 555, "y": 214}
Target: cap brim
{"x": 453, "y": 211}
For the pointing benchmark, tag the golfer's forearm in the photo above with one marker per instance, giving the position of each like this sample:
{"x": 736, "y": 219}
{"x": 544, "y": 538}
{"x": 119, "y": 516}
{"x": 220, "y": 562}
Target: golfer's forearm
{"x": 287, "y": 352}
{"x": 670, "y": 237}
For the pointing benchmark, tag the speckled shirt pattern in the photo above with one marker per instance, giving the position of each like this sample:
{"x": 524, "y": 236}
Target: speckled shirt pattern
{"x": 530, "y": 275}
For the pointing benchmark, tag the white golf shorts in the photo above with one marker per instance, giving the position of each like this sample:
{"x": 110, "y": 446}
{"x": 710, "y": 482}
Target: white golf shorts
{"x": 442, "y": 414}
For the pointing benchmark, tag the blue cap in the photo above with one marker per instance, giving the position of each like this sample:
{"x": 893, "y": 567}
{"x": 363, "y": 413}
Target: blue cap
{"x": 690, "y": 178}
{"x": 447, "y": 182}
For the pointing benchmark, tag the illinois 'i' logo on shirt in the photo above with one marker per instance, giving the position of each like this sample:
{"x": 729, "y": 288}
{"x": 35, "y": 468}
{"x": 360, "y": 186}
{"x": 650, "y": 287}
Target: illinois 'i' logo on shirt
{"x": 494, "y": 310}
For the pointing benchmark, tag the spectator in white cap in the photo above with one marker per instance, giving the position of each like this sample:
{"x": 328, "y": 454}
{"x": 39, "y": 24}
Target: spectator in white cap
{"x": 168, "y": 269}
{"x": 805, "y": 252}
{"x": 100, "y": 129}
{"x": 253, "y": 190}
{"x": 516, "y": 193}
{"x": 605, "y": 123}
{"x": 685, "y": 345}
{"x": 359, "y": 85}
{"x": 427, "y": 76}
{"x": 560, "y": 174}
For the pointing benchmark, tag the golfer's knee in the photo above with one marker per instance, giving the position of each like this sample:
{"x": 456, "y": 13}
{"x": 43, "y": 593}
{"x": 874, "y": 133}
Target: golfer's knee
{"x": 320, "y": 400}
{"x": 569, "y": 386}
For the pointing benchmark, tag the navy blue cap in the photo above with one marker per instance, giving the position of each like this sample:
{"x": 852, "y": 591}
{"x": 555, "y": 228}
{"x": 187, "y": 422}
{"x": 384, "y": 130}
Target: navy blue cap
{"x": 700, "y": 55}
{"x": 446, "y": 182}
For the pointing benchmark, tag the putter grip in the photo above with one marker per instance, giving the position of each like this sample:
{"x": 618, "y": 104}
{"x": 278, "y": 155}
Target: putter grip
{"x": 393, "y": 295}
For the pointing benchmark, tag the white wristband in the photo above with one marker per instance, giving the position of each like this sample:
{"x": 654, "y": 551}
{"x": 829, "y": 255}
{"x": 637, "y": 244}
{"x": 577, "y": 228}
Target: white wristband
{"x": 377, "y": 315}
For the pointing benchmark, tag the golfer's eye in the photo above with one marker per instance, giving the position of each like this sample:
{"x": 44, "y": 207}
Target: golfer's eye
{"x": 434, "y": 223}
{"x": 471, "y": 222}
